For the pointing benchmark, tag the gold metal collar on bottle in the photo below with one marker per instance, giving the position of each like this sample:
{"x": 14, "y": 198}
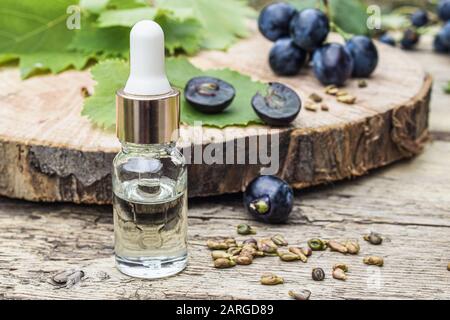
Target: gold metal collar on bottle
{"x": 148, "y": 119}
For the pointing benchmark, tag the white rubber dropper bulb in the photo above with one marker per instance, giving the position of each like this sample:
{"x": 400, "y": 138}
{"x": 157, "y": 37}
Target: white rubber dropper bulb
{"x": 147, "y": 67}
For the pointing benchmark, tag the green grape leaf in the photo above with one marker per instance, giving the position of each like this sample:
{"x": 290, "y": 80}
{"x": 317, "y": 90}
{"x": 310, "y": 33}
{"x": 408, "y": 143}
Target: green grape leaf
{"x": 127, "y": 4}
{"x": 223, "y": 21}
{"x": 349, "y": 15}
{"x": 240, "y": 112}
{"x": 181, "y": 31}
{"x": 304, "y": 4}
{"x": 37, "y": 33}
{"x": 55, "y": 62}
{"x": 126, "y": 17}
{"x": 394, "y": 21}
{"x": 5, "y": 58}
{"x": 94, "y": 6}
{"x": 111, "y": 75}
{"x": 447, "y": 88}
{"x": 101, "y": 42}
{"x": 97, "y": 6}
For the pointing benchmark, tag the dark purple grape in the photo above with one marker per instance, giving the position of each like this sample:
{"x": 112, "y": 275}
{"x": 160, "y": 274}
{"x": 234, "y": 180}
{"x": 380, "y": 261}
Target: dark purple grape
{"x": 410, "y": 39}
{"x": 274, "y": 20}
{"x": 365, "y": 56}
{"x": 388, "y": 39}
{"x": 445, "y": 34}
{"x": 420, "y": 18}
{"x": 333, "y": 64}
{"x": 285, "y": 58}
{"x": 269, "y": 199}
{"x": 439, "y": 46}
{"x": 209, "y": 95}
{"x": 309, "y": 29}
{"x": 279, "y": 107}
{"x": 444, "y": 10}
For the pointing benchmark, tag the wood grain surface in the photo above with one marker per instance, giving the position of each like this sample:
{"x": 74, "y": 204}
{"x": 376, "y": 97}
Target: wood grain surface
{"x": 408, "y": 203}
{"x": 50, "y": 153}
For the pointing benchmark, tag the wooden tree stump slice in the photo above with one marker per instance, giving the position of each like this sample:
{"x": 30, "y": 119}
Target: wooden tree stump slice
{"x": 49, "y": 152}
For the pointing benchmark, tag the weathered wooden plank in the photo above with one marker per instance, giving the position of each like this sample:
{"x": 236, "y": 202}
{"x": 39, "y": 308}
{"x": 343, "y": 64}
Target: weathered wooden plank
{"x": 51, "y": 153}
{"x": 415, "y": 262}
{"x": 409, "y": 203}
{"x": 413, "y": 192}
{"x": 439, "y": 66}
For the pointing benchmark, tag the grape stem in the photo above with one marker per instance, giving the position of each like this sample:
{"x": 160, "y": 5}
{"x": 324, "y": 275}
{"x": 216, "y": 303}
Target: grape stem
{"x": 342, "y": 33}
{"x": 326, "y": 4}
{"x": 334, "y": 27}
{"x": 427, "y": 30}
{"x": 447, "y": 88}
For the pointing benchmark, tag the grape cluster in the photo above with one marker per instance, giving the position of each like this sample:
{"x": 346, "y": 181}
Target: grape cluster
{"x": 411, "y": 36}
{"x": 299, "y": 36}
{"x": 442, "y": 39}
{"x": 419, "y": 19}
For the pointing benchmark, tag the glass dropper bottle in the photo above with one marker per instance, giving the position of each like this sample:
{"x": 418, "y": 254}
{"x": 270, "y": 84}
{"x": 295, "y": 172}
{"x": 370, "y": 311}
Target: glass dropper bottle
{"x": 149, "y": 173}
